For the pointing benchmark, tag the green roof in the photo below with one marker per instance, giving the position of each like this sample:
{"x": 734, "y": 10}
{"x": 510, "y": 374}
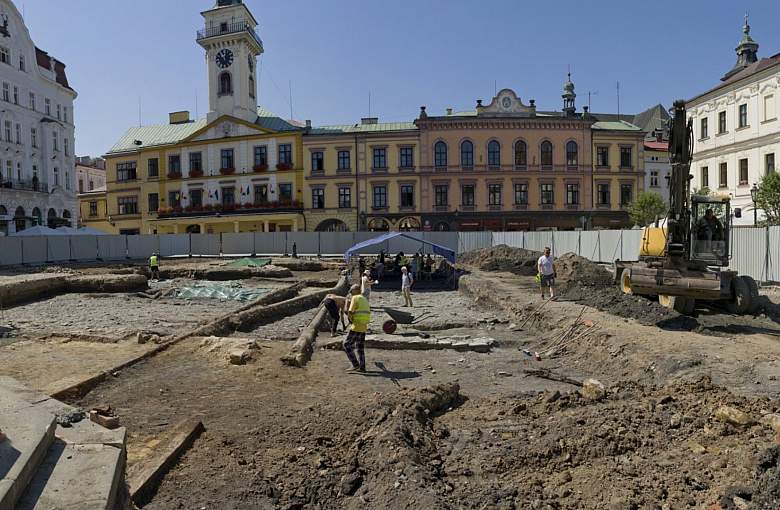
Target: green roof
{"x": 621, "y": 125}
{"x": 363, "y": 128}
{"x": 169, "y": 134}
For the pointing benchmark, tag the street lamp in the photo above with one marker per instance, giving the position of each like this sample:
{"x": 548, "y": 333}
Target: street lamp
{"x": 754, "y": 197}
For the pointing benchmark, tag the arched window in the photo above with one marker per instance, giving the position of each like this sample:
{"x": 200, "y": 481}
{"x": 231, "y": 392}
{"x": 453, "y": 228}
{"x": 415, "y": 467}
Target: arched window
{"x": 37, "y": 217}
{"x": 571, "y": 153}
{"x": 332, "y": 225}
{"x": 521, "y": 154}
{"x": 66, "y": 214}
{"x": 225, "y": 84}
{"x": 440, "y": 155}
{"x": 494, "y": 154}
{"x": 3, "y": 210}
{"x": 442, "y": 226}
{"x": 51, "y": 214}
{"x": 547, "y": 154}
{"x": 378, "y": 225}
{"x": 467, "y": 154}
{"x": 19, "y": 219}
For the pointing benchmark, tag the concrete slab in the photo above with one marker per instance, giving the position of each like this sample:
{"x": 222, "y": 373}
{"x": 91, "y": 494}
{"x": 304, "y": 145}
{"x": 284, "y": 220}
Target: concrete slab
{"x": 30, "y": 432}
{"x": 76, "y": 476}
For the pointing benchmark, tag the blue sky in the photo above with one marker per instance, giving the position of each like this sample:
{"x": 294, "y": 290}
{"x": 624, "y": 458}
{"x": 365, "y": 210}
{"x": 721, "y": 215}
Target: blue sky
{"x": 408, "y": 53}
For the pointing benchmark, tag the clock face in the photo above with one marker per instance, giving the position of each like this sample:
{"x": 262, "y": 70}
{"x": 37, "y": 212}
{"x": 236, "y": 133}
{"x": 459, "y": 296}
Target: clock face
{"x": 506, "y": 102}
{"x": 224, "y": 58}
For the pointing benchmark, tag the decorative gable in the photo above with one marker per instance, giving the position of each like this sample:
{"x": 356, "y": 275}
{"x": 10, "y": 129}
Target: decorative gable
{"x": 226, "y": 127}
{"x": 506, "y": 102}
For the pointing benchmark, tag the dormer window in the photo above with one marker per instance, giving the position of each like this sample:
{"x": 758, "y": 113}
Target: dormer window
{"x": 225, "y": 84}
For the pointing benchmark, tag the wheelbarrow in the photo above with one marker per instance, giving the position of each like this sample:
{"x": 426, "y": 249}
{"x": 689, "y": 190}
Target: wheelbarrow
{"x": 399, "y": 317}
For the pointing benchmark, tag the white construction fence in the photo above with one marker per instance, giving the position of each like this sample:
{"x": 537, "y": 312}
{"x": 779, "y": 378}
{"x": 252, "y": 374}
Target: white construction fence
{"x": 754, "y": 250}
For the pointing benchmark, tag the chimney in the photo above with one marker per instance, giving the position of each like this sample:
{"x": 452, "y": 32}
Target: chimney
{"x": 449, "y": 111}
{"x": 308, "y": 124}
{"x": 423, "y": 115}
{"x": 369, "y": 120}
{"x": 181, "y": 117}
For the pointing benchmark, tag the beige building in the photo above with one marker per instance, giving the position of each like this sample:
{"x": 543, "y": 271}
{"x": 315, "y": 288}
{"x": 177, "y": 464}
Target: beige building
{"x": 90, "y": 174}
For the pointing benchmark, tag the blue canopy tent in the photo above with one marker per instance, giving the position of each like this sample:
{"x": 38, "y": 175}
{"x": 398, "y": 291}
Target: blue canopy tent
{"x": 445, "y": 252}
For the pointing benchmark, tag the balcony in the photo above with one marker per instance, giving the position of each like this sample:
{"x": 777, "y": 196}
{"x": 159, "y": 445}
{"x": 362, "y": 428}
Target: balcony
{"x": 228, "y": 29}
{"x": 31, "y": 185}
{"x": 230, "y": 210}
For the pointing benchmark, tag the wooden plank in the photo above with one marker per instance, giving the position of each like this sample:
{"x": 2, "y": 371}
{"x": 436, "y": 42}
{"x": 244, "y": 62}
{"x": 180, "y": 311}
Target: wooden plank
{"x": 144, "y": 477}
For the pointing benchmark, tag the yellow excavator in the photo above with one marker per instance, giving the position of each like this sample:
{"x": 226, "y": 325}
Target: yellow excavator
{"x": 683, "y": 258}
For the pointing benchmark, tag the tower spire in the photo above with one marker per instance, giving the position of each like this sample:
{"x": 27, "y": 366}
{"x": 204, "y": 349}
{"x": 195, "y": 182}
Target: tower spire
{"x": 569, "y": 96}
{"x": 747, "y": 51}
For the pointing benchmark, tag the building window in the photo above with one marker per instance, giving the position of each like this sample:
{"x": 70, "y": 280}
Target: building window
{"x": 602, "y": 194}
{"x": 494, "y": 194}
{"x": 81, "y": 185}
{"x": 440, "y": 192}
{"x": 723, "y": 181}
{"x": 406, "y": 157}
{"x": 174, "y": 199}
{"x": 125, "y": 171}
{"x": 654, "y": 179}
{"x": 16, "y": 94}
{"x": 59, "y": 112}
{"x": 380, "y": 197}
{"x": 32, "y": 101}
{"x": 47, "y": 106}
{"x": 626, "y": 194}
{"x": 228, "y": 196}
{"x": 225, "y": 84}
{"x": 5, "y": 56}
{"x": 547, "y": 194}
{"x": 602, "y": 156}
{"x": 317, "y": 161}
{"x": 261, "y": 193}
{"x": 252, "y": 87}
{"x": 226, "y": 159}
{"x": 55, "y": 141}
{"x": 521, "y": 154}
{"x": 521, "y": 194}
{"x": 721, "y": 122}
{"x": 380, "y": 159}
{"x": 285, "y": 192}
{"x": 93, "y": 208}
{"x": 705, "y": 177}
{"x": 573, "y": 194}
{"x": 174, "y": 164}
{"x": 196, "y": 163}
{"x": 626, "y": 157}
{"x": 466, "y": 154}
{"x": 65, "y": 114}
{"x": 547, "y": 154}
{"x": 153, "y": 202}
{"x": 494, "y": 154}
{"x": 127, "y": 205}
{"x": 407, "y": 195}
{"x": 91, "y": 185}
{"x": 19, "y": 138}
{"x": 66, "y": 146}
{"x": 345, "y": 198}
{"x": 261, "y": 155}
{"x": 318, "y": 198}
{"x": 440, "y": 155}
{"x": 285, "y": 154}
{"x": 703, "y": 128}
{"x": 22, "y": 66}
{"x": 467, "y": 195}
{"x": 343, "y": 160}
{"x": 153, "y": 167}
{"x": 769, "y": 107}
{"x": 743, "y": 121}
{"x": 8, "y": 131}
{"x": 571, "y": 153}
{"x": 6, "y": 91}
{"x": 769, "y": 163}
{"x": 196, "y": 198}
{"x": 743, "y": 171}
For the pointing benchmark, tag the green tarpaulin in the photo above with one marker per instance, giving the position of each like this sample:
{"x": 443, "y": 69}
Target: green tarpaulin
{"x": 232, "y": 291}
{"x": 250, "y": 262}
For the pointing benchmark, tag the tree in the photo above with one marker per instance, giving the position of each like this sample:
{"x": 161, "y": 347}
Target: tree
{"x": 646, "y": 208}
{"x": 703, "y": 192}
{"x": 768, "y": 198}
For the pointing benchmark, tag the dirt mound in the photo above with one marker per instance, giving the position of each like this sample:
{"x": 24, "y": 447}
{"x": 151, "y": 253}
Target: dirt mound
{"x": 573, "y": 268}
{"x": 502, "y": 258}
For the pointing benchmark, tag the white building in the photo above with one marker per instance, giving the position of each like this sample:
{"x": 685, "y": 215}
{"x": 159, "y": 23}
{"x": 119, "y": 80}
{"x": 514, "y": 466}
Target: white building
{"x": 657, "y": 167}
{"x": 90, "y": 174}
{"x": 736, "y": 130}
{"x": 36, "y": 132}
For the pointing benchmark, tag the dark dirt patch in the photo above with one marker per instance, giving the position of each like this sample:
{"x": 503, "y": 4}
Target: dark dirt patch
{"x": 573, "y": 268}
{"x": 502, "y": 258}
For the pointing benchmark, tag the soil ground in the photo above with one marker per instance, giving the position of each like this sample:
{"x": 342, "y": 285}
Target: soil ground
{"x": 449, "y": 429}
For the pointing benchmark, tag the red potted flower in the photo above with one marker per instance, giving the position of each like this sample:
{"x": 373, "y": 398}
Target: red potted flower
{"x": 260, "y": 168}
{"x": 174, "y": 175}
{"x": 196, "y": 173}
{"x": 284, "y": 166}
{"x": 227, "y": 171}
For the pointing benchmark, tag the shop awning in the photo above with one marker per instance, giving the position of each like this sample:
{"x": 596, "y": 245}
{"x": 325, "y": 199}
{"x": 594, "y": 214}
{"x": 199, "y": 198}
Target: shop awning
{"x": 445, "y": 252}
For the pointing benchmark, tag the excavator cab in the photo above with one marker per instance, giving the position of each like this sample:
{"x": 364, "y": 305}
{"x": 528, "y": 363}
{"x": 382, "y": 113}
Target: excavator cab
{"x": 710, "y": 229}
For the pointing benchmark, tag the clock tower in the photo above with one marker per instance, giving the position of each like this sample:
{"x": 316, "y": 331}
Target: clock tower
{"x": 232, "y": 46}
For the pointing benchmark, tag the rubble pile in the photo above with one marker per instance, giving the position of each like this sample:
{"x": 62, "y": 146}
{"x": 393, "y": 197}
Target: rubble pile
{"x": 502, "y": 258}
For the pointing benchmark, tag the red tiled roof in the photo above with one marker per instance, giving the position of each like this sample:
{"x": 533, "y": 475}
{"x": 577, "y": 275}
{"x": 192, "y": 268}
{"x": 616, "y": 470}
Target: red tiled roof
{"x": 656, "y": 146}
{"x": 44, "y": 60}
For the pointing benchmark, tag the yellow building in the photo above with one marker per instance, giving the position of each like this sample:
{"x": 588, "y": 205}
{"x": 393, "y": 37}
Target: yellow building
{"x": 93, "y": 210}
{"x": 362, "y": 177}
{"x": 239, "y": 169}
{"x": 618, "y": 171}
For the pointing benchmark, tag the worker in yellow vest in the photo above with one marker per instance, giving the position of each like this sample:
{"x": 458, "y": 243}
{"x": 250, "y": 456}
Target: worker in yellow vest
{"x": 154, "y": 266}
{"x": 360, "y": 315}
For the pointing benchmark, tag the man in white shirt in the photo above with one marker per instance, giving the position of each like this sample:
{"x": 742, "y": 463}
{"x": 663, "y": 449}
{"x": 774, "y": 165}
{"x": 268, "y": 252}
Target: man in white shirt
{"x": 406, "y": 286}
{"x": 365, "y": 284}
{"x": 546, "y": 272}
